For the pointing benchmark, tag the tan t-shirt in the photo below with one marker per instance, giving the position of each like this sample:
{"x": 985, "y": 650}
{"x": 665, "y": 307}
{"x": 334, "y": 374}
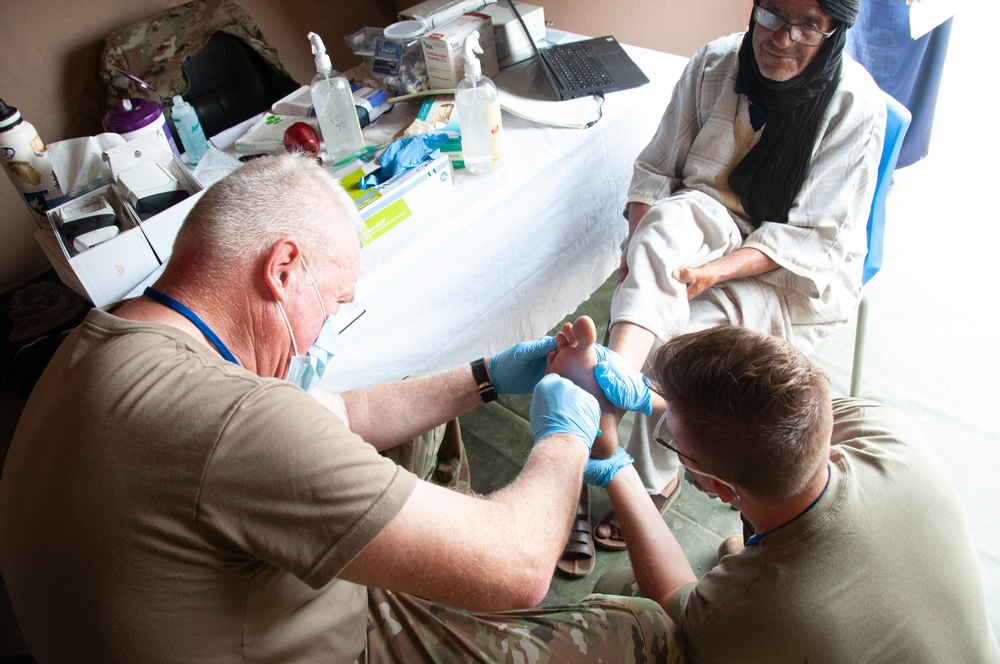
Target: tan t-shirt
{"x": 161, "y": 504}
{"x": 880, "y": 569}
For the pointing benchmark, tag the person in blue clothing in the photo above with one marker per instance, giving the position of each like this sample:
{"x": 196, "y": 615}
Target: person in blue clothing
{"x": 908, "y": 69}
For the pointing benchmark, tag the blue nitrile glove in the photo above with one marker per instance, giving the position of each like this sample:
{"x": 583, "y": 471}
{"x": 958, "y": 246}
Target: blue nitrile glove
{"x": 519, "y": 368}
{"x": 559, "y": 406}
{"x": 404, "y": 154}
{"x": 624, "y": 387}
{"x": 599, "y": 472}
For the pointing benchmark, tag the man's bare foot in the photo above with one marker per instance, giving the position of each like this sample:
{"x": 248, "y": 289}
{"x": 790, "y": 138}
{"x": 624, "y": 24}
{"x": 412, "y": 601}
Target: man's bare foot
{"x": 609, "y": 534}
{"x": 575, "y": 358}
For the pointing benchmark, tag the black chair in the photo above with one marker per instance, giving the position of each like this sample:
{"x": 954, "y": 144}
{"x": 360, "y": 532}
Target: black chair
{"x": 230, "y": 82}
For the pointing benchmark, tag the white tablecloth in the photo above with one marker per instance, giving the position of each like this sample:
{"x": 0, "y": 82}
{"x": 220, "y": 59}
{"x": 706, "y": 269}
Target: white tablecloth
{"x": 503, "y": 257}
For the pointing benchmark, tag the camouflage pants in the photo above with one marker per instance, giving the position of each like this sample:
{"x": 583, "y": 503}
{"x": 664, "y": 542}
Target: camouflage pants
{"x": 406, "y": 629}
{"x": 437, "y": 456}
{"x": 601, "y": 628}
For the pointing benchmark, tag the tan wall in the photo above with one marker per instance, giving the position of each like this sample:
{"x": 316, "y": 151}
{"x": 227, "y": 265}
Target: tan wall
{"x": 49, "y": 51}
{"x": 673, "y": 26}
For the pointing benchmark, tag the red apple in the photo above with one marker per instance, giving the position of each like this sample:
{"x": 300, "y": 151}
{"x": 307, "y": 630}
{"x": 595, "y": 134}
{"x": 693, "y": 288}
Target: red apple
{"x": 302, "y": 137}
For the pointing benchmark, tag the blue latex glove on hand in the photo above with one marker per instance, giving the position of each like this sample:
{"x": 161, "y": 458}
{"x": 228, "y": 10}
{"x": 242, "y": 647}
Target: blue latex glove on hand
{"x": 402, "y": 155}
{"x": 559, "y": 406}
{"x": 518, "y": 369}
{"x": 599, "y": 472}
{"x": 624, "y": 387}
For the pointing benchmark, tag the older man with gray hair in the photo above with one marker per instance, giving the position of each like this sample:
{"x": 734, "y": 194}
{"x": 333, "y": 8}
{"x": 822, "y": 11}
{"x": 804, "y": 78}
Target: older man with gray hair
{"x": 174, "y": 493}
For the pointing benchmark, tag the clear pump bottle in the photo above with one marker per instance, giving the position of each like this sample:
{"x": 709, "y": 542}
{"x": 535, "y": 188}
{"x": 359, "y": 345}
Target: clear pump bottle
{"x": 479, "y": 121}
{"x": 334, "y": 104}
{"x": 189, "y": 129}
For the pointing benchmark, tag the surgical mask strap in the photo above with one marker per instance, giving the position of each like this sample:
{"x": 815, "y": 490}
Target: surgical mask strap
{"x": 711, "y": 476}
{"x": 315, "y": 287}
{"x": 295, "y": 346}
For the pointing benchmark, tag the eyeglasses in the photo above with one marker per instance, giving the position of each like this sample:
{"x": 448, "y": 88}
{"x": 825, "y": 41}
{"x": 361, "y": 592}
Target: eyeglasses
{"x": 663, "y": 443}
{"x": 797, "y": 33}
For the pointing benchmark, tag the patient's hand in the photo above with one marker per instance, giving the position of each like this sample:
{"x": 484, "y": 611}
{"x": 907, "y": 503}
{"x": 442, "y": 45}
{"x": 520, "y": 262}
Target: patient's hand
{"x": 575, "y": 358}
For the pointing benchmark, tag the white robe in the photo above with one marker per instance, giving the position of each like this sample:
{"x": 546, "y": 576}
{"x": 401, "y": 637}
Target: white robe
{"x": 820, "y": 250}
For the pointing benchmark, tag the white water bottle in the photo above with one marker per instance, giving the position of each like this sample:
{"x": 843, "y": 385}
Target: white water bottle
{"x": 189, "y": 129}
{"x": 27, "y": 162}
{"x": 479, "y": 121}
{"x": 333, "y": 102}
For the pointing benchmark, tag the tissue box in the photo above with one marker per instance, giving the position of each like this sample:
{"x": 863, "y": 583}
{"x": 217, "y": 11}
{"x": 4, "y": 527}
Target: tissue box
{"x": 143, "y": 166}
{"x": 388, "y": 205}
{"x": 105, "y": 273}
{"x": 437, "y": 114}
{"x": 443, "y": 50}
{"x": 508, "y": 35}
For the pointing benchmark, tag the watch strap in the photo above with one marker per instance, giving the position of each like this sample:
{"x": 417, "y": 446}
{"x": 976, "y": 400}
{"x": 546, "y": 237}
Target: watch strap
{"x": 487, "y": 390}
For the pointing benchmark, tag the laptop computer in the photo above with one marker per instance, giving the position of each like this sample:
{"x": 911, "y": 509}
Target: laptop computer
{"x": 588, "y": 67}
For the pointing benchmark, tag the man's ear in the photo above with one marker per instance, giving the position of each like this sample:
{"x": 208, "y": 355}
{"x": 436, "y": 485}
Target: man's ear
{"x": 725, "y": 494}
{"x": 280, "y": 267}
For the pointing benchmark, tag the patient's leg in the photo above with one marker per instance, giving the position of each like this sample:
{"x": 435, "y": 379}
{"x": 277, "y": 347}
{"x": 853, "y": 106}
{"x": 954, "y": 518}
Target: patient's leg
{"x": 575, "y": 358}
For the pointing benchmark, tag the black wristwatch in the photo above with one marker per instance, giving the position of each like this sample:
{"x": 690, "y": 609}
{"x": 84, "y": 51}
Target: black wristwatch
{"x": 487, "y": 390}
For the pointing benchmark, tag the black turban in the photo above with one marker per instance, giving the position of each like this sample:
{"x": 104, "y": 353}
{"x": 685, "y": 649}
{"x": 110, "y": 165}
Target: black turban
{"x": 769, "y": 177}
{"x": 844, "y": 12}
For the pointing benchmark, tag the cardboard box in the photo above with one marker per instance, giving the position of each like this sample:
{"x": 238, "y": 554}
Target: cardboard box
{"x": 508, "y": 35}
{"x": 105, "y": 273}
{"x": 435, "y": 13}
{"x": 386, "y": 206}
{"x": 443, "y": 50}
{"x": 161, "y": 228}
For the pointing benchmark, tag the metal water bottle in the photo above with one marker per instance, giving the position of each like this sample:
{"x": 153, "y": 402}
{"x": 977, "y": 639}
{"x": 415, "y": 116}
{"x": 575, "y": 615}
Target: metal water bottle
{"x": 27, "y": 163}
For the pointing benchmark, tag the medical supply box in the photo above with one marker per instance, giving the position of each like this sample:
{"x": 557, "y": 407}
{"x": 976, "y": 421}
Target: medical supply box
{"x": 157, "y": 189}
{"x": 105, "y": 272}
{"x": 435, "y": 13}
{"x": 443, "y": 50}
{"x": 386, "y": 206}
{"x": 508, "y": 36}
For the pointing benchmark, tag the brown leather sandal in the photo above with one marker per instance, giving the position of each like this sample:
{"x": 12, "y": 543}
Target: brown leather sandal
{"x": 577, "y": 560}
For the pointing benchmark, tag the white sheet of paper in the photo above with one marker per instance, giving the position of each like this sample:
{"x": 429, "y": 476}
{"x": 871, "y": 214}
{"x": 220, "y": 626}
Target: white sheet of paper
{"x": 925, "y": 15}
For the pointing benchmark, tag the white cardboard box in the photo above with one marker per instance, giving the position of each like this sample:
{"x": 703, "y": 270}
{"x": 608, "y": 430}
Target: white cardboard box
{"x": 508, "y": 35}
{"x": 160, "y": 229}
{"x": 435, "y": 13}
{"x": 105, "y": 273}
{"x": 393, "y": 202}
{"x": 443, "y": 50}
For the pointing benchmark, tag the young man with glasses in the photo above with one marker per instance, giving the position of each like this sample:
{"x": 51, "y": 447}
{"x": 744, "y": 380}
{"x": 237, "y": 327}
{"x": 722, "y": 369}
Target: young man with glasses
{"x": 750, "y": 204}
{"x": 860, "y": 551}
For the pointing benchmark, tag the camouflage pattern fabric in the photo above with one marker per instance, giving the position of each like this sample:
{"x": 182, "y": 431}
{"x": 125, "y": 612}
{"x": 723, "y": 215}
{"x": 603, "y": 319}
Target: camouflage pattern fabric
{"x": 601, "y": 628}
{"x": 156, "y": 48}
{"x": 438, "y": 456}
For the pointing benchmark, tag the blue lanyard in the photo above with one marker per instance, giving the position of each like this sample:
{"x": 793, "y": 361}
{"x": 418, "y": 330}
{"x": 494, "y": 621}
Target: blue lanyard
{"x": 170, "y": 302}
{"x": 757, "y": 538}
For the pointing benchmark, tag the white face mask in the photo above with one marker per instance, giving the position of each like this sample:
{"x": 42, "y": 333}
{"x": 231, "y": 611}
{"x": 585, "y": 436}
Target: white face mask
{"x": 307, "y": 370}
{"x": 660, "y": 435}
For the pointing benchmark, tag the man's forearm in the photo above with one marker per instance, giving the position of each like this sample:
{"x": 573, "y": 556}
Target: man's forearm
{"x": 391, "y": 414}
{"x": 658, "y": 561}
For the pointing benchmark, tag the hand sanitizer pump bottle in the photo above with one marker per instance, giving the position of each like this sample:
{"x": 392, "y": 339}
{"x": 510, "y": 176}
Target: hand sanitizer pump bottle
{"x": 478, "y": 106}
{"x": 334, "y": 103}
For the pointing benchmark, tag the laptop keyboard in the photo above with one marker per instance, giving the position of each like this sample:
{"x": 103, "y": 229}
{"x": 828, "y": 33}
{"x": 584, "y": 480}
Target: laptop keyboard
{"x": 575, "y": 68}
